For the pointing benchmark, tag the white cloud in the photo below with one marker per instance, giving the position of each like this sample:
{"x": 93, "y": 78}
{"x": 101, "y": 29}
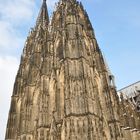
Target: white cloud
{"x": 8, "y": 70}
{"x": 13, "y": 16}
{"x": 9, "y": 38}
{"x": 17, "y": 10}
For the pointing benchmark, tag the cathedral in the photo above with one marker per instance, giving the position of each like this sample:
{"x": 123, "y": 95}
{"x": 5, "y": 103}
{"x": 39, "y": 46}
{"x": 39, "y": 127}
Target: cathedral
{"x": 64, "y": 89}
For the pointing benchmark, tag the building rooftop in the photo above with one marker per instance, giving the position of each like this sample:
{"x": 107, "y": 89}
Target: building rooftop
{"x": 132, "y": 90}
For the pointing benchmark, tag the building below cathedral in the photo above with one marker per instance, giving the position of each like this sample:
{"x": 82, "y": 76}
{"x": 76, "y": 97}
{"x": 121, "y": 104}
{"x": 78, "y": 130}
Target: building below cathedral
{"x": 64, "y": 89}
{"x": 132, "y": 92}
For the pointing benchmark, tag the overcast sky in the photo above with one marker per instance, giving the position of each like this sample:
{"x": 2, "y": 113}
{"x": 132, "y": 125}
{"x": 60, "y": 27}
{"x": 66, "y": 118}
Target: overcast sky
{"x": 117, "y": 29}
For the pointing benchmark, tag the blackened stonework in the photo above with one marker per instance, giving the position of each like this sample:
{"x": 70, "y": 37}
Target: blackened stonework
{"x": 64, "y": 89}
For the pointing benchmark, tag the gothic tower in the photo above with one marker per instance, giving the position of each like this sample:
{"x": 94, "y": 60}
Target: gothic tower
{"x": 64, "y": 89}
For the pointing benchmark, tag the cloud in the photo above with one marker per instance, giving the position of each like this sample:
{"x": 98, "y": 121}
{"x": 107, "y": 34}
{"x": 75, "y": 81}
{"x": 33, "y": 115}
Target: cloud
{"x": 13, "y": 16}
{"x": 8, "y": 70}
{"x": 16, "y": 10}
{"x": 10, "y": 39}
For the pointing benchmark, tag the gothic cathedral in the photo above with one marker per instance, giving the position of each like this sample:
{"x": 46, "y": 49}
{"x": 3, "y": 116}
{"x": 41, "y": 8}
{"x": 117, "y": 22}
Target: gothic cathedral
{"x": 64, "y": 89}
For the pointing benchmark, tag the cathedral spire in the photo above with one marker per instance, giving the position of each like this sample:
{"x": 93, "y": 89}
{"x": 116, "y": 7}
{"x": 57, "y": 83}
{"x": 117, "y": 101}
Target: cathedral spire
{"x": 64, "y": 90}
{"x": 43, "y": 17}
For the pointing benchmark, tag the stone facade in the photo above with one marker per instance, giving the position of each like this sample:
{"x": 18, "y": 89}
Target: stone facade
{"x": 63, "y": 89}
